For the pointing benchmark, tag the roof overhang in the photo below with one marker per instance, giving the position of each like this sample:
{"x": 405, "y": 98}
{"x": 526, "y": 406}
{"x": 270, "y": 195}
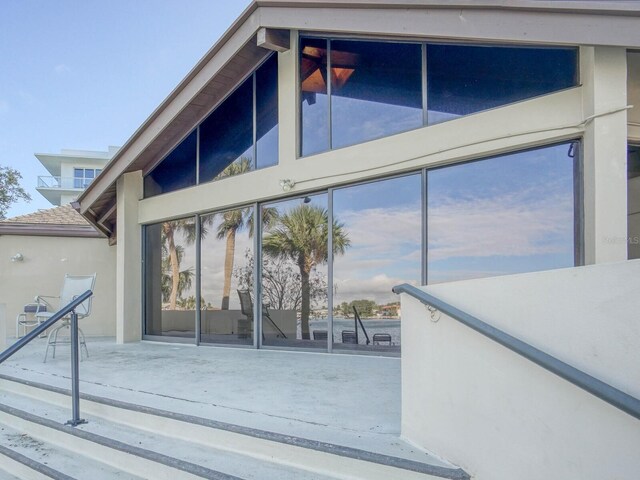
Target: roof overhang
{"x": 49, "y": 230}
{"x": 237, "y": 53}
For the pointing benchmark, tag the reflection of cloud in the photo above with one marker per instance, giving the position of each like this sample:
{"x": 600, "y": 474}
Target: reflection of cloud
{"x": 515, "y": 224}
{"x": 377, "y": 288}
{"x": 61, "y": 69}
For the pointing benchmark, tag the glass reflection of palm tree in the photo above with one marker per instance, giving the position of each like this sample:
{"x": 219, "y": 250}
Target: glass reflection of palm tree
{"x": 234, "y": 221}
{"x": 301, "y": 236}
{"x": 169, "y": 230}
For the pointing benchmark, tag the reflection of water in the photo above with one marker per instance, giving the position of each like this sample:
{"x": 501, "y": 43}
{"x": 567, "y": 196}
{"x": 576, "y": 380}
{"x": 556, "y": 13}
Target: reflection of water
{"x": 386, "y": 325}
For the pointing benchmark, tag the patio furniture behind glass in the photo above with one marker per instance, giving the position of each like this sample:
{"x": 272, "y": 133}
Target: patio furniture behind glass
{"x": 246, "y": 307}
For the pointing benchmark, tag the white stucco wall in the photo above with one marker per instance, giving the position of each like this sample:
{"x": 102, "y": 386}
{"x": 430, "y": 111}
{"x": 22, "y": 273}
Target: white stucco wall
{"x": 501, "y": 416}
{"x": 46, "y": 260}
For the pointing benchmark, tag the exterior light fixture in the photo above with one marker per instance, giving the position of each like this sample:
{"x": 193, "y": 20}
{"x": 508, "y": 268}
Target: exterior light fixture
{"x": 287, "y": 184}
{"x": 18, "y": 257}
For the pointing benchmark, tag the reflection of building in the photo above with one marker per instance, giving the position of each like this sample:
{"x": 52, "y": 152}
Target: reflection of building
{"x": 443, "y": 143}
{"x": 71, "y": 173}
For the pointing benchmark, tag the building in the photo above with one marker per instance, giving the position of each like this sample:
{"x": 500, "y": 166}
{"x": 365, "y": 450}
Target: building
{"x": 71, "y": 173}
{"x": 39, "y": 248}
{"x": 322, "y": 153}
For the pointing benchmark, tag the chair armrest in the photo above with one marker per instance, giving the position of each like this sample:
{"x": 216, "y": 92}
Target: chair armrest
{"x": 40, "y": 300}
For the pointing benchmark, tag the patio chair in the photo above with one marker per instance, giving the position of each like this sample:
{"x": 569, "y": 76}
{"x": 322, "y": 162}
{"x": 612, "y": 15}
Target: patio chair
{"x": 320, "y": 334}
{"x": 28, "y": 318}
{"x": 349, "y": 336}
{"x": 381, "y": 338}
{"x": 246, "y": 307}
{"x": 72, "y": 287}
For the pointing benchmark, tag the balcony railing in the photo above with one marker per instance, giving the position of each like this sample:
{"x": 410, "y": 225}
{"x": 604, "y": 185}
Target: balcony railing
{"x": 64, "y": 183}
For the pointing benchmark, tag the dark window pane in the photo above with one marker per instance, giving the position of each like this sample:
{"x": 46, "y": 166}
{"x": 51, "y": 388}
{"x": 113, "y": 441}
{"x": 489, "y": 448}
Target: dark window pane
{"x": 503, "y": 215}
{"x": 226, "y": 136}
{"x": 169, "y": 272}
{"x": 267, "y": 113}
{"x": 633, "y": 201}
{"x": 315, "y": 102}
{"x": 88, "y": 173}
{"x": 376, "y": 90}
{"x": 176, "y": 171}
{"x": 465, "y": 79}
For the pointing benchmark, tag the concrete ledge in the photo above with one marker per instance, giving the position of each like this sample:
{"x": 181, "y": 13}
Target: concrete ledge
{"x": 26, "y": 468}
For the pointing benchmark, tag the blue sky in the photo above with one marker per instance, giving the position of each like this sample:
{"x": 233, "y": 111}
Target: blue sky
{"x": 85, "y": 74}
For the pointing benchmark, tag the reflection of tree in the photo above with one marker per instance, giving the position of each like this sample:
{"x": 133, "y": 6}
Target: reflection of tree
{"x": 170, "y": 289}
{"x": 171, "y": 275}
{"x": 189, "y": 303}
{"x": 234, "y": 221}
{"x": 281, "y": 285}
{"x": 301, "y": 235}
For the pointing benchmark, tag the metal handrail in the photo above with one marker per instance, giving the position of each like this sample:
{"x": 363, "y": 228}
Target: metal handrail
{"x": 600, "y": 389}
{"x": 75, "y": 379}
{"x": 356, "y": 319}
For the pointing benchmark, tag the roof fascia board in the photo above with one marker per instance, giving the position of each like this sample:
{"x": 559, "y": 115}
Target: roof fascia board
{"x": 469, "y": 24}
{"x": 573, "y": 6}
{"x": 49, "y": 230}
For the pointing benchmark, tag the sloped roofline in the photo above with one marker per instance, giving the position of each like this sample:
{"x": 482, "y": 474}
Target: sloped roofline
{"x": 117, "y": 167}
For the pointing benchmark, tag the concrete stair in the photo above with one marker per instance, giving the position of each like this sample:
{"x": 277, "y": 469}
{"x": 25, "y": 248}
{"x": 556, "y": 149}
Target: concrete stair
{"x": 129, "y": 441}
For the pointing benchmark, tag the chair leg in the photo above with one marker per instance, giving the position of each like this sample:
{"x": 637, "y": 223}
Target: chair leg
{"x": 46, "y": 352}
{"x": 83, "y": 343}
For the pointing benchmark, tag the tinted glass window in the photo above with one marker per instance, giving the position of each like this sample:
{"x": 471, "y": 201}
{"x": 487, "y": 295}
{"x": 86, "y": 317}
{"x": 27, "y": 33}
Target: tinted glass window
{"x": 465, "y": 79}
{"x": 169, "y": 273}
{"x": 502, "y": 215}
{"x": 376, "y": 90}
{"x": 267, "y": 113}
{"x": 177, "y": 170}
{"x": 226, "y": 136}
{"x": 313, "y": 98}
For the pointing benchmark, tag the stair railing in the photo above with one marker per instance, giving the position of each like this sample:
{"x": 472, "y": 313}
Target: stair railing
{"x": 70, "y": 308}
{"x": 600, "y": 389}
{"x": 356, "y": 320}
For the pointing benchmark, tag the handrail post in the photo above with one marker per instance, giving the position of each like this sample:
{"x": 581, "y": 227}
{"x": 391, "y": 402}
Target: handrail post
{"x": 75, "y": 377}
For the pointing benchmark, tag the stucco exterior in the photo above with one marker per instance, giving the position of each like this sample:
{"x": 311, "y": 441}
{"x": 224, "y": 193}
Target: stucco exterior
{"x": 46, "y": 260}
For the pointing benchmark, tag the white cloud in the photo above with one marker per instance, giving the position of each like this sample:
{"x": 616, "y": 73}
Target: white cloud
{"x": 61, "y": 69}
{"x": 508, "y": 225}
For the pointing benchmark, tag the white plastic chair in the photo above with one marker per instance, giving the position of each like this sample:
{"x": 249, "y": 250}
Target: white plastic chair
{"x": 72, "y": 288}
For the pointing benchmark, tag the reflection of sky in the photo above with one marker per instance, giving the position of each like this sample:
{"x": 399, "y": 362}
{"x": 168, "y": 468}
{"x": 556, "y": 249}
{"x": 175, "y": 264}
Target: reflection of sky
{"x": 503, "y": 215}
{"x": 382, "y": 220}
{"x": 355, "y": 120}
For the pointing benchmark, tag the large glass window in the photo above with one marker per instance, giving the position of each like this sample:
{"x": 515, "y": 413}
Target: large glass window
{"x": 380, "y": 222}
{"x": 502, "y": 215}
{"x": 376, "y": 90}
{"x": 240, "y": 135}
{"x": 226, "y": 277}
{"x": 352, "y": 91}
{"x": 314, "y": 95}
{"x": 294, "y": 272}
{"x": 82, "y": 177}
{"x": 169, "y": 273}
{"x": 464, "y": 79}
{"x": 176, "y": 171}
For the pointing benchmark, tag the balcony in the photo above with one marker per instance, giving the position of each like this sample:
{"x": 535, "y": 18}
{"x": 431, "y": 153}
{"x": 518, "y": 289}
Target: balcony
{"x": 63, "y": 183}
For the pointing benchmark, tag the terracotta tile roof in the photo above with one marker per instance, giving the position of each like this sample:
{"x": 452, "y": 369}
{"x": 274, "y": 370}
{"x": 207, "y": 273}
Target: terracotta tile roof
{"x": 63, "y": 215}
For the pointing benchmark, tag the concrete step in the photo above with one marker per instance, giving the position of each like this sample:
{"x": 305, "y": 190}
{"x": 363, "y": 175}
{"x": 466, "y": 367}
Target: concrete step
{"x": 177, "y": 440}
{"x": 27, "y": 457}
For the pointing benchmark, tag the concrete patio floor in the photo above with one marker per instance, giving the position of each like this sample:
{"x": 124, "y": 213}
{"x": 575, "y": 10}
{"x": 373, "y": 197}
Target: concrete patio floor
{"x": 346, "y": 399}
